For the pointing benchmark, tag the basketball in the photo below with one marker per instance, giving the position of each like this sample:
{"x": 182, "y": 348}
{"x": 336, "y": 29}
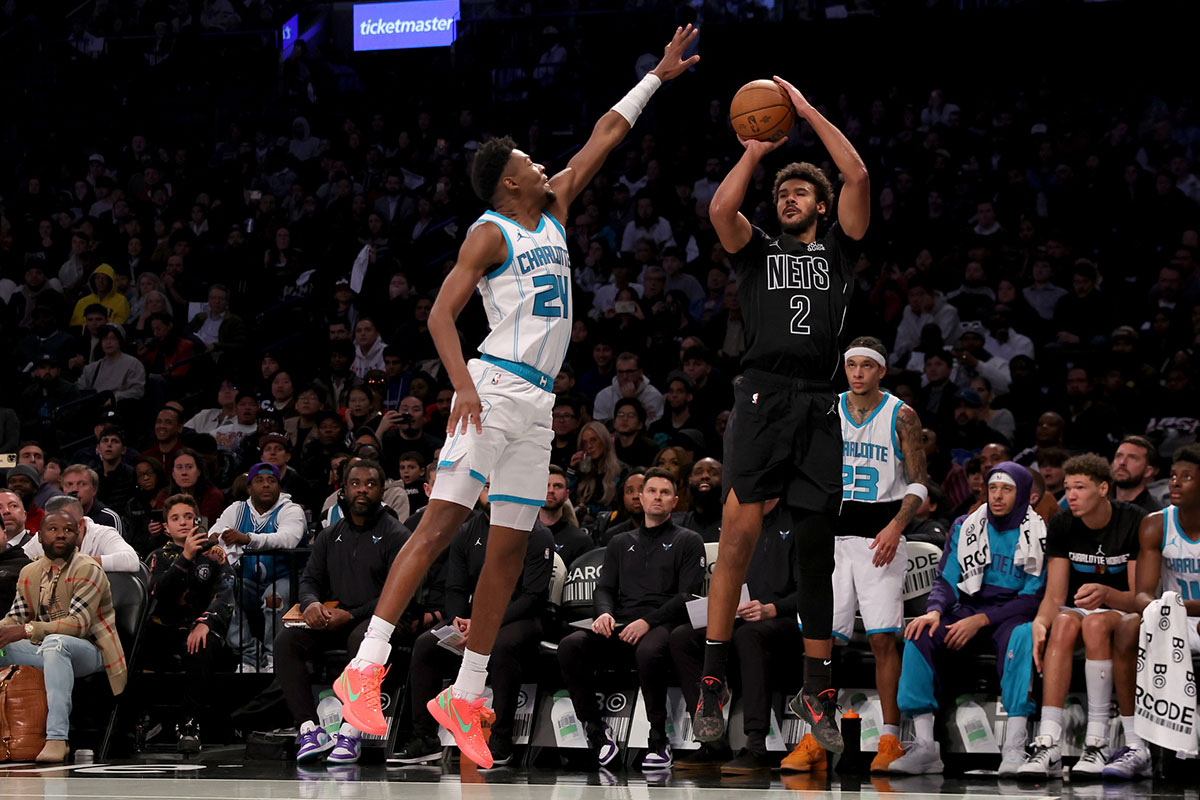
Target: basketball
{"x": 761, "y": 110}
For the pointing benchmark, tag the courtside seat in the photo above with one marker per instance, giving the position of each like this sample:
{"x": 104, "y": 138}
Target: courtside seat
{"x": 558, "y": 580}
{"x": 710, "y": 559}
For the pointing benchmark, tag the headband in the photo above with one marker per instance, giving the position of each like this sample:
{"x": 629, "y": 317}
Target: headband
{"x": 1001, "y": 477}
{"x": 868, "y": 353}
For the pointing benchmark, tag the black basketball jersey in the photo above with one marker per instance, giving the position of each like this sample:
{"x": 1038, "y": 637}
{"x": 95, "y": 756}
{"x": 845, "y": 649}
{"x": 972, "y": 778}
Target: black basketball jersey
{"x": 794, "y": 297}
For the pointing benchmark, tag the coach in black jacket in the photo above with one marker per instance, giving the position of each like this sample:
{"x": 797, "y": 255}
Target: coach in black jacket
{"x": 648, "y": 575}
{"x": 349, "y": 564}
{"x": 516, "y": 642}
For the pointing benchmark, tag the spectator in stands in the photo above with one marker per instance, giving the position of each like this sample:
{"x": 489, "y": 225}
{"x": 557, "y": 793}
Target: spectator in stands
{"x": 303, "y": 424}
{"x": 44, "y": 396}
{"x": 100, "y": 541}
{"x": 1134, "y": 468}
{"x": 606, "y": 295}
{"x": 565, "y": 422}
{"x": 766, "y": 642}
{"x": 974, "y": 299}
{"x": 369, "y": 347}
{"x": 143, "y": 512}
{"x": 1081, "y": 317}
{"x": 969, "y": 433}
{"x": 711, "y": 393}
{"x": 62, "y": 622}
{"x": 250, "y": 530}
{"x": 209, "y": 420}
{"x": 514, "y": 649}
{"x": 1093, "y": 425}
{"x": 996, "y": 601}
{"x": 117, "y": 372}
{"x": 404, "y": 430}
{"x": 23, "y": 481}
{"x": 972, "y": 360}
{"x": 998, "y": 419}
{"x": 192, "y": 586}
{"x": 595, "y": 471}
{"x": 412, "y": 475}
{"x": 230, "y": 435}
{"x": 929, "y": 521}
{"x": 276, "y": 449}
{"x": 12, "y": 548}
{"x": 168, "y": 424}
{"x": 219, "y": 328}
{"x": 938, "y": 397}
{"x": 339, "y": 588}
{"x": 1042, "y": 294}
{"x": 647, "y": 577}
{"x": 189, "y": 475}
{"x": 706, "y": 500}
{"x": 628, "y": 515}
{"x": 282, "y": 394}
{"x": 103, "y": 283}
{"x": 677, "y": 411}
{"x": 83, "y": 483}
{"x": 117, "y": 478}
{"x": 646, "y": 224}
{"x": 1091, "y": 551}
{"x": 630, "y": 443}
{"x": 630, "y": 381}
{"x": 926, "y": 306}
{"x": 168, "y": 353}
{"x": 569, "y": 541}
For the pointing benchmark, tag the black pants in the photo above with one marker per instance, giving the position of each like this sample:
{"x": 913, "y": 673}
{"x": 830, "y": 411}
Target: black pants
{"x": 767, "y": 652}
{"x": 513, "y": 652}
{"x": 582, "y": 653}
{"x": 294, "y": 647}
{"x": 162, "y": 643}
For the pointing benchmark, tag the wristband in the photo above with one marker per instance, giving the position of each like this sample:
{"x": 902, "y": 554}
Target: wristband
{"x": 917, "y": 490}
{"x": 631, "y": 105}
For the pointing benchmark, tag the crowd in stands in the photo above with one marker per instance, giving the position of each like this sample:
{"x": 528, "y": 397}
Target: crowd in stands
{"x": 218, "y": 345}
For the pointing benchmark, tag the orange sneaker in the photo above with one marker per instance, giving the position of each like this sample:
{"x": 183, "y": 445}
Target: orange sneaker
{"x": 358, "y": 689}
{"x": 466, "y": 721}
{"x": 889, "y": 750}
{"x": 807, "y": 757}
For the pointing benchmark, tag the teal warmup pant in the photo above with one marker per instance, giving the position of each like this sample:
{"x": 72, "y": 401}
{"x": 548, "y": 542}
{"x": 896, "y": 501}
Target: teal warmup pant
{"x": 1012, "y": 641}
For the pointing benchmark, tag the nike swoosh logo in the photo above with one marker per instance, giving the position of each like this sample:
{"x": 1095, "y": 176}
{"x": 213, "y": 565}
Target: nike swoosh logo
{"x": 816, "y": 717}
{"x": 443, "y": 701}
{"x": 346, "y": 686}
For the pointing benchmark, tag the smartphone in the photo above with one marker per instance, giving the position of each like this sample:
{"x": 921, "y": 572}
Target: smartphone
{"x": 8, "y": 460}
{"x": 625, "y": 307}
{"x": 156, "y": 515}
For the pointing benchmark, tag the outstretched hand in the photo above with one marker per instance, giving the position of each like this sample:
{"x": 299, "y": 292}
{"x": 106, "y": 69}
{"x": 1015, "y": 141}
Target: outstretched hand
{"x": 798, "y": 102}
{"x": 673, "y": 64}
{"x": 759, "y": 148}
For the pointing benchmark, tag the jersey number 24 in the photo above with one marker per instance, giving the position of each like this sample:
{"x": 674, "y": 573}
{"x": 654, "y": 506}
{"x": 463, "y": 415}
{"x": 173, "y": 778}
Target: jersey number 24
{"x": 556, "y": 288}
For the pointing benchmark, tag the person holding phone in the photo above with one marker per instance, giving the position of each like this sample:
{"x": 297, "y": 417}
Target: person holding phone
{"x": 192, "y": 586}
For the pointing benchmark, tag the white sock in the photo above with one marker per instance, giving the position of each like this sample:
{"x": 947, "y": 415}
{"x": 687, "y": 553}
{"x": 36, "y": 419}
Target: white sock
{"x": 924, "y": 728}
{"x": 349, "y": 730}
{"x": 1015, "y": 733}
{"x": 1051, "y": 724}
{"x": 1099, "y": 693}
{"x": 376, "y": 645}
{"x": 472, "y": 675}
{"x": 1131, "y": 737}
{"x": 891, "y": 730}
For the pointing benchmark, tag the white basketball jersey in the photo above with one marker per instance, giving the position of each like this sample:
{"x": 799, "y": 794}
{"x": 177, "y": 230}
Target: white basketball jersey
{"x": 872, "y": 466}
{"x": 528, "y": 298}
{"x": 1180, "y": 558}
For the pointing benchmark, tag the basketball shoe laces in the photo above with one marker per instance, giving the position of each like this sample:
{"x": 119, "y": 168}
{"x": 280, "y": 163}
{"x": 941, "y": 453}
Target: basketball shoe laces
{"x": 372, "y": 685}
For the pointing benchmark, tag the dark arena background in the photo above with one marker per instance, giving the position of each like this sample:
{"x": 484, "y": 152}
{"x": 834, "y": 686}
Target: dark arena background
{"x": 223, "y": 228}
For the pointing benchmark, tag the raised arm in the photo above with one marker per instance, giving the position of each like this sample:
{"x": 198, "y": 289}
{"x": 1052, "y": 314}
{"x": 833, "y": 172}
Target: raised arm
{"x": 612, "y": 128}
{"x": 854, "y": 203}
{"x": 484, "y": 248}
{"x": 731, "y": 225}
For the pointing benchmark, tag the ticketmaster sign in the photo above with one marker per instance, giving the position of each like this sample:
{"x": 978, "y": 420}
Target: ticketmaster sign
{"x": 399, "y": 26}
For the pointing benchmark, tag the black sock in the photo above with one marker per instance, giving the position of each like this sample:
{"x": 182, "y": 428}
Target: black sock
{"x": 756, "y": 742}
{"x": 716, "y": 657}
{"x": 817, "y": 675}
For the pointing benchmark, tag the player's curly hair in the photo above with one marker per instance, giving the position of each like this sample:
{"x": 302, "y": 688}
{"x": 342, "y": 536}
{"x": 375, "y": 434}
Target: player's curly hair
{"x": 487, "y": 168}
{"x": 805, "y": 171}
{"x": 1089, "y": 465}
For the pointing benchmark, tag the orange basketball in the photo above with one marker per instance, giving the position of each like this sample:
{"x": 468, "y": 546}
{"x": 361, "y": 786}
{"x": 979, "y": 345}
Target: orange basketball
{"x": 761, "y": 110}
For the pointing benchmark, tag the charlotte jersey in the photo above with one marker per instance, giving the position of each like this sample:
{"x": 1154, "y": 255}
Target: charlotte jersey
{"x": 873, "y": 479}
{"x": 1180, "y": 558}
{"x": 528, "y": 297}
{"x": 793, "y": 297}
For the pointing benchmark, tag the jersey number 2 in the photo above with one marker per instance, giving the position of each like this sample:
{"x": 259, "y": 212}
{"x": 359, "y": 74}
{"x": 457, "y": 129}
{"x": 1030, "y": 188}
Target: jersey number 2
{"x": 803, "y": 308}
{"x": 860, "y": 483}
{"x": 555, "y": 289}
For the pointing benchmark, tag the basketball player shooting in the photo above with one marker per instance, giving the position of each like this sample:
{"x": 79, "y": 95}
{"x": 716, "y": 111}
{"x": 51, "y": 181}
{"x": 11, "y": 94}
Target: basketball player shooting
{"x": 499, "y": 425}
{"x": 784, "y": 437}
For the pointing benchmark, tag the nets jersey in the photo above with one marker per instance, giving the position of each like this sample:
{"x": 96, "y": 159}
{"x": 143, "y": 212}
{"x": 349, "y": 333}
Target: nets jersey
{"x": 873, "y": 480}
{"x": 1181, "y": 558}
{"x": 528, "y": 297}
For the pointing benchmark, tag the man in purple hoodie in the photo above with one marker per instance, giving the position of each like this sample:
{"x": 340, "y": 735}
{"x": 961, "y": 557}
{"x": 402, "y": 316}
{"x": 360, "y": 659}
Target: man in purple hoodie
{"x": 990, "y": 582}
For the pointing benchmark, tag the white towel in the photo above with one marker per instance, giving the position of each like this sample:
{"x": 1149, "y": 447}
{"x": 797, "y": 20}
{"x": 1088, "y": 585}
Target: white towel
{"x": 974, "y": 553}
{"x": 1166, "y": 685}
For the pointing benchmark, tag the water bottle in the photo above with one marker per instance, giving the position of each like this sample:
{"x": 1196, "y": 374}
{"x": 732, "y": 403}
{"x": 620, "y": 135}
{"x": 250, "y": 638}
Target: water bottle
{"x": 329, "y": 711}
{"x": 852, "y": 761}
{"x": 973, "y": 726}
{"x": 568, "y": 730}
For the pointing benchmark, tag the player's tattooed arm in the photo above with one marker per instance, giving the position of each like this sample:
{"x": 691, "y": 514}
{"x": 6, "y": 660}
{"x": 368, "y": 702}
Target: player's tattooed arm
{"x": 908, "y": 431}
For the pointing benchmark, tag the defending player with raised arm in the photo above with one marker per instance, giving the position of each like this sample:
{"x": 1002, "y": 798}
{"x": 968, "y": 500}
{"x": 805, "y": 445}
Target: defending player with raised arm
{"x": 784, "y": 438}
{"x": 1169, "y": 553}
{"x": 499, "y": 425}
